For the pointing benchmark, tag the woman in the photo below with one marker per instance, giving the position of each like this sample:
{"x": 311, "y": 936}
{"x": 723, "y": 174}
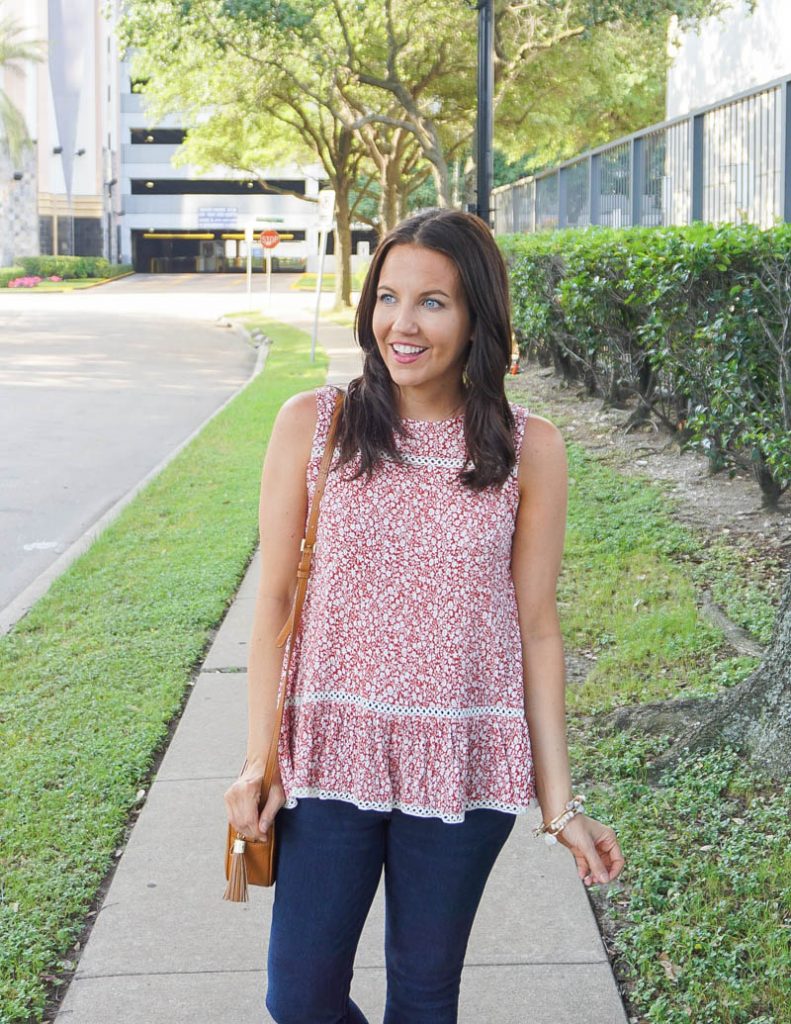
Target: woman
{"x": 426, "y": 709}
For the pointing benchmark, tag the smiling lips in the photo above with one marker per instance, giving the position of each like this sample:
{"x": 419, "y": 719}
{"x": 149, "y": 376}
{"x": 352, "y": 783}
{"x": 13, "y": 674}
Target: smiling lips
{"x": 407, "y": 353}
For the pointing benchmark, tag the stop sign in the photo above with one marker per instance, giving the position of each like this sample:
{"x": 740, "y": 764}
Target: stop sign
{"x": 269, "y": 239}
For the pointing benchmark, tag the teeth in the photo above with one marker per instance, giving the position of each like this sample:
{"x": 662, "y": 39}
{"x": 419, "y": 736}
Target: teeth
{"x": 407, "y": 350}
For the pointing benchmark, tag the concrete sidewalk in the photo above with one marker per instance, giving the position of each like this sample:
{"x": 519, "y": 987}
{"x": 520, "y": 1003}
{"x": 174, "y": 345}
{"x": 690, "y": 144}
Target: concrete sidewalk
{"x": 167, "y": 949}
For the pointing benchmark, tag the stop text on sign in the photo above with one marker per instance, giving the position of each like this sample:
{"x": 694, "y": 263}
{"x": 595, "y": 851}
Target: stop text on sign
{"x": 269, "y": 239}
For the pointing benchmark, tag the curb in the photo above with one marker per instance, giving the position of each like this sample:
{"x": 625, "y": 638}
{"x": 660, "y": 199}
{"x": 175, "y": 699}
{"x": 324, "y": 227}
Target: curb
{"x": 24, "y": 601}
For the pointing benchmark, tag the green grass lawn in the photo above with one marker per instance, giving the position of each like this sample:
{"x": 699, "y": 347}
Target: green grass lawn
{"x": 307, "y": 282}
{"x": 92, "y": 676}
{"x": 342, "y": 317}
{"x": 701, "y": 911}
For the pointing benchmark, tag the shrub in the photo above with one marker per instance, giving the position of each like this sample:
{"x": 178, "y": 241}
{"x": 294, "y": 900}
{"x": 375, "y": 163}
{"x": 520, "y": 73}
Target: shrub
{"x": 24, "y": 282}
{"x": 72, "y": 267}
{"x": 9, "y": 274}
{"x": 117, "y": 269}
{"x": 692, "y": 321}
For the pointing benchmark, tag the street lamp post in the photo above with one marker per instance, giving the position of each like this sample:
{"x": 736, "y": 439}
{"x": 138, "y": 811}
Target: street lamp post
{"x": 485, "y": 120}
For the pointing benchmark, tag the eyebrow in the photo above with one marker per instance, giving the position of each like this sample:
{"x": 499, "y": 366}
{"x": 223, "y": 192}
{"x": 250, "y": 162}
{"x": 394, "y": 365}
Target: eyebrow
{"x": 430, "y": 291}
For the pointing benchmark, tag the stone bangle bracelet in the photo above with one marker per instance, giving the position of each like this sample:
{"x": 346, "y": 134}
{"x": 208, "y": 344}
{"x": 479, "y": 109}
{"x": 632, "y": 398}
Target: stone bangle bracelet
{"x": 550, "y": 830}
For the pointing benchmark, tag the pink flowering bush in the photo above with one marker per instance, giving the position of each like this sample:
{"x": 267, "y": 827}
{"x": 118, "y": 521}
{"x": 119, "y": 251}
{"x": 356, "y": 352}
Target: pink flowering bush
{"x": 31, "y": 280}
{"x": 24, "y": 282}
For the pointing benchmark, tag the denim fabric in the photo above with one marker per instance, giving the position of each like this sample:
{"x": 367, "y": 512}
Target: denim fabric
{"x": 330, "y": 856}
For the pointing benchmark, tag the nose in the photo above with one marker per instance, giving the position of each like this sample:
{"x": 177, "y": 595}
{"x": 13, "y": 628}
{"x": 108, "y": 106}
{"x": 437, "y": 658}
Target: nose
{"x": 404, "y": 322}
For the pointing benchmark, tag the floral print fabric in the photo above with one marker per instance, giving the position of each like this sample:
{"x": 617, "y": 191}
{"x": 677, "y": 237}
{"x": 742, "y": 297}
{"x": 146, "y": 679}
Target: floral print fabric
{"x": 406, "y": 684}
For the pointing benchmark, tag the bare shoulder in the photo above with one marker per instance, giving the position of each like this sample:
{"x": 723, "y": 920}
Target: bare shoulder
{"x": 295, "y": 424}
{"x": 283, "y": 497}
{"x": 543, "y": 461}
{"x": 298, "y": 414}
{"x": 539, "y": 533}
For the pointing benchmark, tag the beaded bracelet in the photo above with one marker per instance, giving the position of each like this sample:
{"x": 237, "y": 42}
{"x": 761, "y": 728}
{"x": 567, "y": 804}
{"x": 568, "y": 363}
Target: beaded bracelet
{"x": 558, "y": 823}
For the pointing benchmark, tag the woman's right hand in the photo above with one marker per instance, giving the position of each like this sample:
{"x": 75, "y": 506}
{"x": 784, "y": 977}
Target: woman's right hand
{"x": 595, "y": 849}
{"x": 242, "y": 801}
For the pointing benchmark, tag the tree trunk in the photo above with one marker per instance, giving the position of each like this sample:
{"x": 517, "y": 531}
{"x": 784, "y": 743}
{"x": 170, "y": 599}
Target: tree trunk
{"x": 439, "y": 170}
{"x": 343, "y": 249}
{"x": 390, "y": 186}
{"x": 753, "y": 717}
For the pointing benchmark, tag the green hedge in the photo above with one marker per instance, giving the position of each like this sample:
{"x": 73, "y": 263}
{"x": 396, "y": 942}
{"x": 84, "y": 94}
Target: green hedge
{"x": 9, "y": 274}
{"x": 72, "y": 266}
{"x": 691, "y": 324}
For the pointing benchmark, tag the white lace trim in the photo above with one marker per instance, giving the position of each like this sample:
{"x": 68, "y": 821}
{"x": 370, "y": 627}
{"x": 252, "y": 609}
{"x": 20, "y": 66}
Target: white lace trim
{"x": 421, "y": 812}
{"x": 432, "y": 461}
{"x": 436, "y": 461}
{"x": 419, "y": 711}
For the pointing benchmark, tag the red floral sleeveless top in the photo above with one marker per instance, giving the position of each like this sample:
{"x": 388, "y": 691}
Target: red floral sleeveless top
{"x": 406, "y": 684}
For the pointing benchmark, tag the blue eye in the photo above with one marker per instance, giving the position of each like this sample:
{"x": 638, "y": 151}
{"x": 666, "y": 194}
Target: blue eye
{"x": 439, "y": 304}
{"x": 385, "y": 295}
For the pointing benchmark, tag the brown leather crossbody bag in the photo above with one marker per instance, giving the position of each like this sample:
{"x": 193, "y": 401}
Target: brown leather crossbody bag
{"x": 252, "y": 861}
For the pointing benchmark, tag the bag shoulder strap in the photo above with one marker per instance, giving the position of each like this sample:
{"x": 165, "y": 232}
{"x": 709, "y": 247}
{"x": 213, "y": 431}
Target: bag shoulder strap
{"x": 303, "y": 572}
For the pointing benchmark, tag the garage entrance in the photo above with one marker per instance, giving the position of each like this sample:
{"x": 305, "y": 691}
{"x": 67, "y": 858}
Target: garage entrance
{"x": 206, "y": 252}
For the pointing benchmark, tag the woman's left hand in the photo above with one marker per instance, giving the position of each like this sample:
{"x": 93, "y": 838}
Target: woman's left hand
{"x": 595, "y": 848}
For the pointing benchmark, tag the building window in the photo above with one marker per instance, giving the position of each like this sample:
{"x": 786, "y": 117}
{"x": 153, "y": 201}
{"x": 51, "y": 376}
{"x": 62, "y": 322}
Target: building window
{"x": 87, "y": 236}
{"x": 157, "y": 136}
{"x": 64, "y": 236}
{"x": 210, "y": 187}
{"x": 80, "y": 236}
{"x": 45, "y": 236}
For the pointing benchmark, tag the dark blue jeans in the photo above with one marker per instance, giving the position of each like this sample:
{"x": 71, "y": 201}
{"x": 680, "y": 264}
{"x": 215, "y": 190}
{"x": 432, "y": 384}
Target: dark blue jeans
{"x": 330, "y": 856}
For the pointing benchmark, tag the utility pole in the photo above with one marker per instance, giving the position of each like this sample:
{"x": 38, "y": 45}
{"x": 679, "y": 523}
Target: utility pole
{"x": 485, "y": 121}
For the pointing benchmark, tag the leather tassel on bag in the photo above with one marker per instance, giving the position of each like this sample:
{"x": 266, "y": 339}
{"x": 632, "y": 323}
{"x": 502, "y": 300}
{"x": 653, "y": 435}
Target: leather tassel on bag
{"x": 252, "y": 861}
{"x": 236, "y": 889}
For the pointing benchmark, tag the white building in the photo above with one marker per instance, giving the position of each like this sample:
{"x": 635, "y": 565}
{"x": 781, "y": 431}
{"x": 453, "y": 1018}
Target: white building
{"x": 734, "y": 76}
{"x": 173, "y": 220}
{"x": 62, "y": 202}
{"x": 99, "y": 178}
{"x": 728, "y": 55}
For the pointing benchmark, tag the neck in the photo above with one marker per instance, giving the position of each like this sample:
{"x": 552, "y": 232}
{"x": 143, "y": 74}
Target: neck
{"x": 427, "y": 409}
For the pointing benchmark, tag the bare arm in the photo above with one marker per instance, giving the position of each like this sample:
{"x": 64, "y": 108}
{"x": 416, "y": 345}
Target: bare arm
{"x": 535, "y": 564}
{"x": 282, "y": 513}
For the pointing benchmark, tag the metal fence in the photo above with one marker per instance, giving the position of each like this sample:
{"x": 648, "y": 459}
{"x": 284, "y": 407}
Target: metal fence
{"x": 729, "y": 162}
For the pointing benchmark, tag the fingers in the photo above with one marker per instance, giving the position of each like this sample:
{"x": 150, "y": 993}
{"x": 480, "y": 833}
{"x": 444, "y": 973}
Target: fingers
{"x": 242, "y": 819}
{"x": 273, "y": 804}
{"x": 611, "y": 854}
{"x": 616, "y": 861}
{"x": 600, "y": 860}
{"x": 246, "y": 816}
{"x": 597, "y": 871}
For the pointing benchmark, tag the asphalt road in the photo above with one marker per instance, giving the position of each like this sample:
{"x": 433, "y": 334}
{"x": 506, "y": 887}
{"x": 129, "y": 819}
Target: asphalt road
{"x": 97, "y": 388}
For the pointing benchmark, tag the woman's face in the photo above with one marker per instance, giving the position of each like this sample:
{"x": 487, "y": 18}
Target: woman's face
{"x": 420, "y": 305}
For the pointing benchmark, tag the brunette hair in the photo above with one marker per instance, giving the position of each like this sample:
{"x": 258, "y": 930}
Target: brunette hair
{"x": 370, "y": 417}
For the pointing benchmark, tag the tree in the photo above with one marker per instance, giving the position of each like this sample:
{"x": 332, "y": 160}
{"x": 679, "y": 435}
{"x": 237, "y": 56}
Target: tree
{"x": 422, "y": 54}
{"x": 385, "y": 91}
{"x": 583, "y": 94}
{"x": 263, "y": 91}
{"x": 753, "y": 717}
{"x": 13, "y": 52}
{"x": 397, "y": 158}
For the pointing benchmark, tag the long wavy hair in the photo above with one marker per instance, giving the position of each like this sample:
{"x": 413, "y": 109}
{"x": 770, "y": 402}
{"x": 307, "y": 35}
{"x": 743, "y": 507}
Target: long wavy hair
{"x": 370, "y": 417}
